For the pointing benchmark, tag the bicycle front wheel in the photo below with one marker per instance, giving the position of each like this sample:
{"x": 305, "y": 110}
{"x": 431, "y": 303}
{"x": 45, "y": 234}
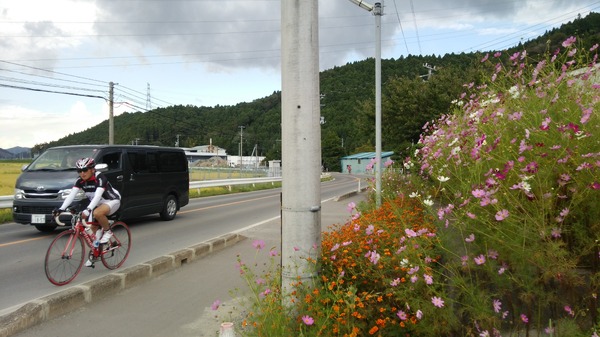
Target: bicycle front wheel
{"x": 117, "y": 249}
{"x": 64, "y": 258}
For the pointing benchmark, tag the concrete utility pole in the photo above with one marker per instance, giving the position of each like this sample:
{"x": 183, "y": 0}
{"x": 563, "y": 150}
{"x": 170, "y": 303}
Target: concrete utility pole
{"x": 111, "y": 119}
{"x": 377, "y": 10}
{"x": 301, "y": 142}
{"x": 241, "y": 146}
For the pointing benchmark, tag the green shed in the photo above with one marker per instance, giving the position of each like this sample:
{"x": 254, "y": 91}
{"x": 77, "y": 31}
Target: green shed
{"x": 357, "y": 163}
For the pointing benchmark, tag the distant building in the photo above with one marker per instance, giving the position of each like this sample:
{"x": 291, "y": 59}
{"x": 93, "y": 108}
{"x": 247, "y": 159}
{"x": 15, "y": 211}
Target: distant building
{"x": 202, "y": 153}
{"x": 360, "y": 162}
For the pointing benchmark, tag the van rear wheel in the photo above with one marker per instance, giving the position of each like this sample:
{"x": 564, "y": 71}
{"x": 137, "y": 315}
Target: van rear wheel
{"x": 169, "y": 208}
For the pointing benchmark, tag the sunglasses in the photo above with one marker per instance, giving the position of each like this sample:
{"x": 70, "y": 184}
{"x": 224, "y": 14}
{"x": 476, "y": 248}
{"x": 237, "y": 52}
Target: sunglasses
{"x": 85, "y": 169}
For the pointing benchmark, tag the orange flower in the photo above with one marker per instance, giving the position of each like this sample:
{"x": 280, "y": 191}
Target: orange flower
{"x": 373, "y": 330}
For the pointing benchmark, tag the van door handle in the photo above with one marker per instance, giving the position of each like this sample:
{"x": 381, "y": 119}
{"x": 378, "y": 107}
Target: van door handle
{"x": 131, "y": 177}
{"x": 120, "y": 178}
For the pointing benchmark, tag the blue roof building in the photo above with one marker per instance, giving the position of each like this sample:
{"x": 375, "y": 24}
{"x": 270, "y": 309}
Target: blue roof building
{"x": 357, "y": 163}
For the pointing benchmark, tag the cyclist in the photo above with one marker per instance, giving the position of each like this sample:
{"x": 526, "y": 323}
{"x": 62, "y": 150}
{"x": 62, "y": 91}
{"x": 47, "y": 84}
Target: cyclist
{"x": 104, "y": 199}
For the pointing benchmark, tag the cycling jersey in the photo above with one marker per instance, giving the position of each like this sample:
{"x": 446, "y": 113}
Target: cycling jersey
{"x": 97, "y": 181}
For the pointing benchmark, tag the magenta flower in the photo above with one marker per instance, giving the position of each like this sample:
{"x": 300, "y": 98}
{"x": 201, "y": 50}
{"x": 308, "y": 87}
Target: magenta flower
{"x": 569, "y": 310}
{"x": 524, "y": 318}
{"x": 308, "y": 320}
{"x": 501, "y": 215}
{"x": 438, "y": 302}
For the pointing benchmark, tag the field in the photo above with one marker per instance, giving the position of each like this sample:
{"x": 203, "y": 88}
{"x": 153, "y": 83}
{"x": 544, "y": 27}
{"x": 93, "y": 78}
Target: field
{"x": 9, "y": 172}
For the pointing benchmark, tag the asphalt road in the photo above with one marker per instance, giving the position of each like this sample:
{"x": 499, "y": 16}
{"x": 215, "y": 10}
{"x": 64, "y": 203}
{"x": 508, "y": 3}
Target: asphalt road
{"x": 22, "y": 248}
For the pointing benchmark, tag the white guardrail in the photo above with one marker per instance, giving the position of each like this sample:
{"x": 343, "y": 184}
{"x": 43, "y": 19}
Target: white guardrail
{"x": 6, "y": 200}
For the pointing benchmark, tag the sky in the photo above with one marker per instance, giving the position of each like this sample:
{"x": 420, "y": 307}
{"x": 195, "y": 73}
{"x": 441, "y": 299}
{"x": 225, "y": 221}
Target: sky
{"x": 58, "y": 57}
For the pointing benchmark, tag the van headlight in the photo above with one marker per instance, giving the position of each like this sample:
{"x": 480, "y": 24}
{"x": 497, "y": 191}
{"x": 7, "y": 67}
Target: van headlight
{"x": 19, "y": 194}
{"x": 63, "y": 194}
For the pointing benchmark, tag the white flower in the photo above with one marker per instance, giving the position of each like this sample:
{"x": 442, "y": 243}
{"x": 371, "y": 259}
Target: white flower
{"x": 526, "y": 186}
{"x": 428, "y": 202}
{"x": 404, "y": 263}
{"x": 443, "y": 179}
{"x": 414, "y": 195}
{"x": 453, "y": 142}
{"x": 455, "y": 150}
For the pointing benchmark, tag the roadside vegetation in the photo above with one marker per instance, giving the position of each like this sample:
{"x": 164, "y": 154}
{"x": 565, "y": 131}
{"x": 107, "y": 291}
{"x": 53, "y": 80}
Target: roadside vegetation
{"x": 493, "y": 230}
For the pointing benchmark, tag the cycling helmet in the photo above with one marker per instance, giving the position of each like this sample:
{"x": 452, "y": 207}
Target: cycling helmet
{"x": 85, "y": 163}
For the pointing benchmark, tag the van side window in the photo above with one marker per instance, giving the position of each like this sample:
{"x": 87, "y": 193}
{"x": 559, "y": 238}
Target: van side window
{"x": 152, "y": 161}
{"x": 113, "y": 160}
{"x": 172, "y": 162}
{"x": 137, "y": 160}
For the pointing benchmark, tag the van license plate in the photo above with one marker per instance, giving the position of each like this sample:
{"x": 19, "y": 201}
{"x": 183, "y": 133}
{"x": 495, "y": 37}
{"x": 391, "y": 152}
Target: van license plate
{"x": 38, "y": 218}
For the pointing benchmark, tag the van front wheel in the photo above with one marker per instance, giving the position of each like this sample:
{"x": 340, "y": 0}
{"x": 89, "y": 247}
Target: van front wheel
{"x": 169, "y": 209}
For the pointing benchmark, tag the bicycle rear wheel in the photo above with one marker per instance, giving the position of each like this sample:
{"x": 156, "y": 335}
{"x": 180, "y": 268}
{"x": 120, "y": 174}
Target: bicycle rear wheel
{"x": 117, "y": 249}
{"x": 64, "y": 258}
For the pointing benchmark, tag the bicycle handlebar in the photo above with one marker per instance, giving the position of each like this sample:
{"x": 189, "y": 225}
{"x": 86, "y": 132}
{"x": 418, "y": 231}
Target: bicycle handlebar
{"x": 60, "y": 223}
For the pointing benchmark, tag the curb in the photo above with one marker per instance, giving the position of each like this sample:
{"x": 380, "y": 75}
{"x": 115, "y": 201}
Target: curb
{"x": 67, "y": 300}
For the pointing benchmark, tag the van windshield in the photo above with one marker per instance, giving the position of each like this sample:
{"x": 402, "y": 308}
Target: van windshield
{"x": 62, "y": 159}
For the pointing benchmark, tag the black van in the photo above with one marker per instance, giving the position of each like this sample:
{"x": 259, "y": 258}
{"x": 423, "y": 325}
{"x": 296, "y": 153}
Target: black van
{"x": 150, "y": 179}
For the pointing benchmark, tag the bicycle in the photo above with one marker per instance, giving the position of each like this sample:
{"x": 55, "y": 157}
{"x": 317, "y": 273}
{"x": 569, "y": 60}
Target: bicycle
{"x": 66, "y": 254}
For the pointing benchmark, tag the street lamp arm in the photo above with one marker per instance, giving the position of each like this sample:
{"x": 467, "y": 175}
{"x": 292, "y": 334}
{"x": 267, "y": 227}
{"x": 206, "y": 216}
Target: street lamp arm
{"x": 363, "y": 5}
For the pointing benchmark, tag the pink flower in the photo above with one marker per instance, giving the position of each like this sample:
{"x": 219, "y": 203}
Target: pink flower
{"x": 497, "y": 305}
{"x": 370, "y": 229}
{"x": 501, "y": 215}
{"x": 555, "y": 233}
{"x": 402, "y": 315}
{"x": 566, "y": 43}
{"x": 419, "y": 314}
{"x": 438, "y": 302}
{"x": 215, "y": 305}
{"x": 479, "y": 260}
{"x": 478, "y": 193}
{"x": 524, "y": 318}
{"x": 470, "y": 238}
{"x": 308, "y": 320}
{"x": 258, "y": 244}
{"x": 428, "y": 279}
{"x": 351, "y": 206}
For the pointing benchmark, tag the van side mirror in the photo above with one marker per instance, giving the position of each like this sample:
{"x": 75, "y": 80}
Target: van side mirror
{"x": 101, "y": 167}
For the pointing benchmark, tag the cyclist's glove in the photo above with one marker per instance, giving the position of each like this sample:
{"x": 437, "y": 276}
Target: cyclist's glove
{"x": 56, "y": 212}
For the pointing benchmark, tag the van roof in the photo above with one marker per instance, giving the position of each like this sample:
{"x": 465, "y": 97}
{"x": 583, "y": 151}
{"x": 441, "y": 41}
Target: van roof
{"x": 103, "y": 146}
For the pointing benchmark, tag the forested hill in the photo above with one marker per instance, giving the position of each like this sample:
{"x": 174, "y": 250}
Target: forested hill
{"x": 409, "y": 99}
